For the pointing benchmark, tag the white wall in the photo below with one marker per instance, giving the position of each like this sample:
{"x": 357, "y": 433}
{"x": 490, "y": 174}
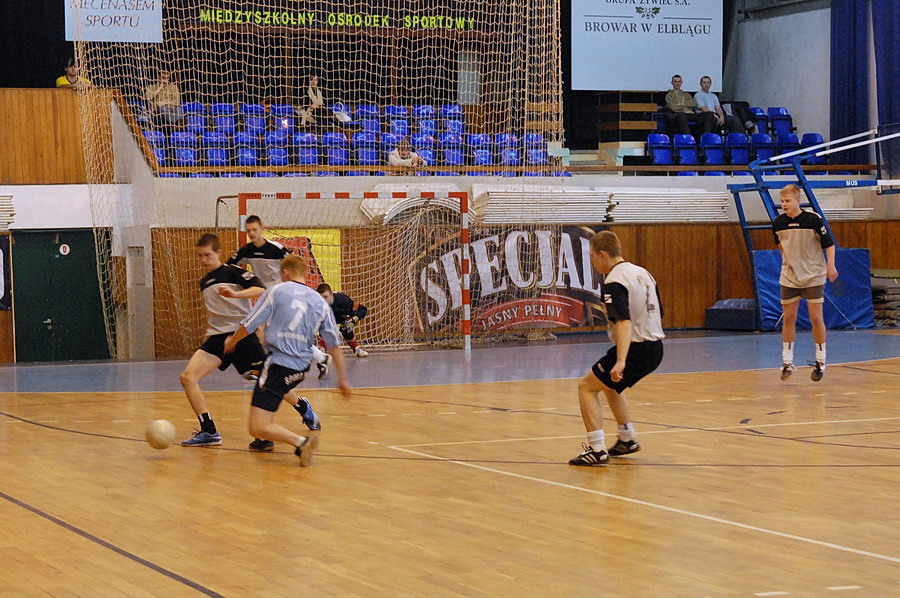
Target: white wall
{"x": 55, "y": 206}
{"x": 785, "y": 61}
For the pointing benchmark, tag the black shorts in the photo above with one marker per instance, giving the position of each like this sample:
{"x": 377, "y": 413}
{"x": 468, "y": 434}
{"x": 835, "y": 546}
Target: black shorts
{"x": 274, "y": 382}
{"x": 642, "y": 359}
{"x": 248, "y": 354}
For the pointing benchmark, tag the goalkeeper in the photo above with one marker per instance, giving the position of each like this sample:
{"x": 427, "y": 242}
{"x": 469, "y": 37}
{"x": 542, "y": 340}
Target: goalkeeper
{"x": 346, "y": 313}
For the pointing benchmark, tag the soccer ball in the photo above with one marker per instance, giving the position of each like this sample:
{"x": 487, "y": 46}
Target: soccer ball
{"x": 160, "y": 434}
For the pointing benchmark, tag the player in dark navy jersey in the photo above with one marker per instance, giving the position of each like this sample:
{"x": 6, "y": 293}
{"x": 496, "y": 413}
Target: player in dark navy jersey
{"x": 630, "y": 301}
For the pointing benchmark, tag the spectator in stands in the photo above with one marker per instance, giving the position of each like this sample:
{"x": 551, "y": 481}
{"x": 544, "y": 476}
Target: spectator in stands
{"x": 316, "y": 101}
{"x": 164, "y": 100}
{"x": 71, "y": 80}
{"x": 404, "y": 156}
{"x": 708, "y": 102}
{"x": 681, "y": 108}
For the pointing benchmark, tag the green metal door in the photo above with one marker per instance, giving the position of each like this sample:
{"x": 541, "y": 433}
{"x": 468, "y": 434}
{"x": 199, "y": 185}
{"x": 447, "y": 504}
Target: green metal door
{"x": 57, "y": 307}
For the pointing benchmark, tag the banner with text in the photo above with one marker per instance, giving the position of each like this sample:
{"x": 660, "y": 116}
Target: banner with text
{"x": 640, "y": 44}
{"x": 114, "y": 20}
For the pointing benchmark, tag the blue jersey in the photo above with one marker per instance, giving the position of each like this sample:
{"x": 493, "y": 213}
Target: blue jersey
{"x": 293, "y": 313}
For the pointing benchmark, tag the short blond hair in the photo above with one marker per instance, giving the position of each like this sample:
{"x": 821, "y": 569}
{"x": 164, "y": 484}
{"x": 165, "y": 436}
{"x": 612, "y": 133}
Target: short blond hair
{"x": 295, "y": 266}
{"x": 792, "y": 190}
{"x": 607, "y": 241}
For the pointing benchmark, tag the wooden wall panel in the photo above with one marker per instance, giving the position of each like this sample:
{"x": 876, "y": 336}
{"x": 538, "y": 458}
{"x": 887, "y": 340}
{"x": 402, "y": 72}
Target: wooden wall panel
{"x": 42, "y": 139}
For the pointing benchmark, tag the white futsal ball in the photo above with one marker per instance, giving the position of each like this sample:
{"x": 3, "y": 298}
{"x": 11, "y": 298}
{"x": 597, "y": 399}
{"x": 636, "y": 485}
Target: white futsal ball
{"x": 160, "y": 434}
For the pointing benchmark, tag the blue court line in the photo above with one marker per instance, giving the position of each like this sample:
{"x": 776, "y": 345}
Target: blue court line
{"x": 114, "y": 548}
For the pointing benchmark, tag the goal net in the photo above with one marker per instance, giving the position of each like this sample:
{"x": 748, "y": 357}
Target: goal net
{"x": 282, "y": 87}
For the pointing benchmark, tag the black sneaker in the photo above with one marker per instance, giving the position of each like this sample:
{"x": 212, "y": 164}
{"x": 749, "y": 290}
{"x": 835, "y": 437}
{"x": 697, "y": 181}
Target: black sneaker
{"x": 262, "y": 446}
{"x": 323, "y": 367}
{"x": 818, "y": 372}
{"x": 786, "y": 371}
{"x": 624, "y": 447}
{"x": 590, "y": 457}
{"x": 304, "y": 452}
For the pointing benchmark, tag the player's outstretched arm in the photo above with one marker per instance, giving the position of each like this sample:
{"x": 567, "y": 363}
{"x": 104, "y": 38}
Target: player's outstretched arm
{"x": 248, "y": 293}
{"x": 232, "y": 340}
{"x": 337, "y": 356}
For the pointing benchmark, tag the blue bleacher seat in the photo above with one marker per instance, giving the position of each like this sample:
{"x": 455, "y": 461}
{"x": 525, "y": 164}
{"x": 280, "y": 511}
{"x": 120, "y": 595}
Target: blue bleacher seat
{"x": 307, "y": 156}
{"x": 368, "y": 111}
{"x": 252, "y": 110}
{"x": 400, "y": 127}
{"x": 427, "y": 127}
{"x": 687, "y": 173}
{"x": 659, "y": 148}
{"x": 195, "y": 123}
{"x": 233, "y": 175}
{"x": 296, "y": 174}
{"x": 423, "y": 111}
{"x": 711, "y": 145}
{"x": 247, "y": 156}
{"x": 738, "y": 148}
{"x": 183, "y": 139}
{"x": 169, "y": 175}
{"x": 217, "y": 156}
{"x": 482, "y": 157}
{"x": 780, "y": 120}
{"x": 686, "y": 149}
{"x": 201, "y": 175}
{"x": 185, "y": 156}
{"x": 221, "y": 109}
{"x": 809, "y": 140}
{"x": 155, "y": 138}
{"x": 276, "y": 138}
{"x": 453, "y": 156}
{"x": 334, "y": 139}
{"x": 510, "y": 157}
{"x": 365, "y": 139}
{"x": 534, "y": 140}
{"x": 368, "y": 157}
{"x": 141, "y": 114}
{"x": 762, "y": 119}
{"x": 247, "y": 139}
{"x": 504, "y": 140}
{"x": 281, "y": 111}
{"x": 389, "y": 142}
{"x": 327, "y": 173}
{"x": 370, "y": 125}
{"x": 420, "y": 141}
{"x": 225, "y": 124}
{"x": 215, "y": 139}
{"x": 452, "y": 111}
{"x": 786, "y": 143}
{"x": 450, "y": 140}
{"x": 306, "y": 139}
{"x": 255, "y": 124}
{"x": 396, "y": 111}
{"x": 338, "y": 156}
{"x": 762, "y": 146}
{"x": 427, "y": 155}
{"x": 277, "y": 156}
{"x": 478, "y": 141}
{"x": 264, "y": 174}
{"x": 714, "y": 173}
{"x": 193, "y": 108}
{"x": 456, "y": 127}
{"x": 160, "y": 154}
{"x": 536, "y": 157}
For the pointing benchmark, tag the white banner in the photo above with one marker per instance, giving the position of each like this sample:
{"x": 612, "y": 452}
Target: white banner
{"x": 640, "y": 44}
{"x": 114, "y": 20}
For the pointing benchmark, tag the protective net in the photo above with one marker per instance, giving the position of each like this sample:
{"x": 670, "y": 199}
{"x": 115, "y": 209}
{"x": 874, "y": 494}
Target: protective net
{"x": 285, "y": 87}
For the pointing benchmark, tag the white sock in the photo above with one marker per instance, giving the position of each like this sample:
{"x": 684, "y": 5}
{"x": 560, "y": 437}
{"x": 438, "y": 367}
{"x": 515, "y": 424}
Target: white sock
{"x": 597, "y": 441}
{"x": 627, "y": 432}
{"x": 318, "y": 355}
{"x": 820, "y": 353}
{"x": 787, "y": 352}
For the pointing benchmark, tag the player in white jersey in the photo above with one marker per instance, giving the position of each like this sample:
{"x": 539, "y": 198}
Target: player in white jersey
{"x": 264, "y": 258}
{"x": 293, "y": 314}
{"x": 630, "y": 301}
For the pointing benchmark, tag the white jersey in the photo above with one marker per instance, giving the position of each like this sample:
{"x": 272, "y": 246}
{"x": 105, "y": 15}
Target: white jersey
{"x": 629, "y": 293}
{"x": 293, "y": 314}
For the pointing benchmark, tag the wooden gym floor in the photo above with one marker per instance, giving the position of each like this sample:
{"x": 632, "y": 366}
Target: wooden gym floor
{"x": 746, "y": 485}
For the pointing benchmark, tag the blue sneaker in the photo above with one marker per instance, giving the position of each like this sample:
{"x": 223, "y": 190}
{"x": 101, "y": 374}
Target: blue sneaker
{"x": 309, "y": 416}
{"x": 202, "y": 438}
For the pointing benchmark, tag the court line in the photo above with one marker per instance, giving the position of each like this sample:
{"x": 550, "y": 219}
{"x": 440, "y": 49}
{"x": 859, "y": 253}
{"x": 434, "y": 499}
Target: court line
{"x": 675, "y": 430}
{"x": 752, "y": 528}
{"x": 121, "y": 551}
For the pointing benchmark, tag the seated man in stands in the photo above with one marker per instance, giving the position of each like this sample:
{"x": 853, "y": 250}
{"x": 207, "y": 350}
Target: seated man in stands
{"x": 71, "y": 80}
{"x": 164, "y": 100}
{"x": 681, "y": 109}
{"x": 708, "y": 102}
{"x": 404, "y": 156}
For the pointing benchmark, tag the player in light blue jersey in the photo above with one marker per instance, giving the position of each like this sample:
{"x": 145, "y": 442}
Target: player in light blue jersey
{"x": 293, "y": 314}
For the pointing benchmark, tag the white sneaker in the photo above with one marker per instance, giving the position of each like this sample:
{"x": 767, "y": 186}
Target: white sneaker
{"x": 360, "y": 352}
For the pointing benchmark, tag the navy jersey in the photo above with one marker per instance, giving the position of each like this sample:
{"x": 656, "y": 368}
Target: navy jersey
{"x": 265, "y": 261}
{"x": 224, "y": 314}
{"x": 293, "y": 314}
{"x": 345, "y": 308}
{"x": 802, "y": 240}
